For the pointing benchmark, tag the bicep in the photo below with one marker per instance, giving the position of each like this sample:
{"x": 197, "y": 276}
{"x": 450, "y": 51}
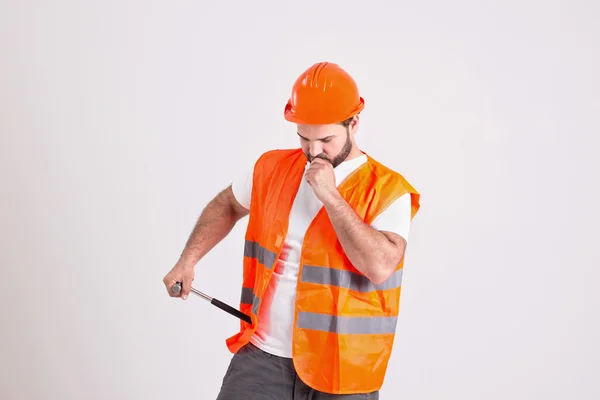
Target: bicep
{"x": 394, "y": 224}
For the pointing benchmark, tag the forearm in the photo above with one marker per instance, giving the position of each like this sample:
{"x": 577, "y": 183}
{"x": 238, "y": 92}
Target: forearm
{"x": 370, "y": 251}
{"x": 215, "y": 222}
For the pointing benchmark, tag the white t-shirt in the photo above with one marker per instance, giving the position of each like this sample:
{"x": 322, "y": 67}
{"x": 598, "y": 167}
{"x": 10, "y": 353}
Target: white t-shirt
{"x": 276, "y": 315}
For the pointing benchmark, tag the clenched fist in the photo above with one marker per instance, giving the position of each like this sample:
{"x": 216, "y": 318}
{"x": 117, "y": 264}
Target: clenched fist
{"x": 321, "y": 178}
{"x": 180, "y": 273}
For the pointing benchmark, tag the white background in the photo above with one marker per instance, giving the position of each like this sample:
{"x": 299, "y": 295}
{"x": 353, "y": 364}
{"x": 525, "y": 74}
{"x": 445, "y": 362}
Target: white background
{"x": 120, "y": 120}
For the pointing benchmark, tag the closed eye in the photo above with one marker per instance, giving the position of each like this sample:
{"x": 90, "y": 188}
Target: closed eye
{"x": 324, "y": 140}
{"x": 320, "y": 140}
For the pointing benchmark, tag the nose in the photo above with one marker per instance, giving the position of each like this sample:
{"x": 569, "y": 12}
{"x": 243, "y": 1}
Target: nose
{"x": 315, "y": 149}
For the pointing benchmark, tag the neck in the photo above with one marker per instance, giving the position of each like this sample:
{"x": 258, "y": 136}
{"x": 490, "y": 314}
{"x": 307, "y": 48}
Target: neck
{"x": 355, "y": 152}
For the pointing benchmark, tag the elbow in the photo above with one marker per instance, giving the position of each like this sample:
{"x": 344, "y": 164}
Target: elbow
{"x": 382, "y": 273}
{"x": 389, "y": 255}
{"x": 384, "y": 269}
{"x": 380, "y": 276}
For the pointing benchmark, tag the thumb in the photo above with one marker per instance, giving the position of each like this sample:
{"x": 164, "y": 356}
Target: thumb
{"x": 186, "y": 287}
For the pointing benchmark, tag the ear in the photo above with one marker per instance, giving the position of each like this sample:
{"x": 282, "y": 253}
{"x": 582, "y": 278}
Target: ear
{"x": 354, "y": 124}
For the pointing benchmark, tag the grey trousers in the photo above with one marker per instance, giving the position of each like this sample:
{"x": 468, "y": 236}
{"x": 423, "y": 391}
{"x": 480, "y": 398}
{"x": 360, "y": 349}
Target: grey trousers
{"x": 256, "y": 375}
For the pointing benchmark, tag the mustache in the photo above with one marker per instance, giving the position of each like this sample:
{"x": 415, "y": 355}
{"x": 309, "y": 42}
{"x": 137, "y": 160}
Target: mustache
{"x": 322, "y": 156}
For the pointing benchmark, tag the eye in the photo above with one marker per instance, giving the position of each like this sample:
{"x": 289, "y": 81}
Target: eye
{"x": 326, "y": 140}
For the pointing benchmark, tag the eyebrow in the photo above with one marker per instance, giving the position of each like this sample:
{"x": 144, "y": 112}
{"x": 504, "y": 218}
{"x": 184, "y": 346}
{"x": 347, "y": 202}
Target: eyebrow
{"x": 324, "y": 138}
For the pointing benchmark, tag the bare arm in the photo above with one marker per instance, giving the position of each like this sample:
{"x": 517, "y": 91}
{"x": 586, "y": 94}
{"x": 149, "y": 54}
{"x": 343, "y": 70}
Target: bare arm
{"x": 215, "y": 222}
{"x": 374, "y": 253}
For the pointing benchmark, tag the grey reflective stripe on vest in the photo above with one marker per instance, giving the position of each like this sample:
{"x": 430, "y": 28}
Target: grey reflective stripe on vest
{"x": 348, "y": 279}
{"x": 248, "y": 297}
{"x": 255, "y": 250}
{"x": 347, "y": 325}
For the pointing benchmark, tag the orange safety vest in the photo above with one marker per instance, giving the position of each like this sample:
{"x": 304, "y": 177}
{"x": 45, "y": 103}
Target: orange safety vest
{"x": 344, "y": 325}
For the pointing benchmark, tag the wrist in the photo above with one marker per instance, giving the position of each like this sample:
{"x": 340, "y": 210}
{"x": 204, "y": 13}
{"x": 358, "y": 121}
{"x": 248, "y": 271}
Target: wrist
{"x": 186, "y": 262}
{"x": 332, "y": 199}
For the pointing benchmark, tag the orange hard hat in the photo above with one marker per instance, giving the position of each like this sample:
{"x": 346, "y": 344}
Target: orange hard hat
{"x": 323, "y": 94}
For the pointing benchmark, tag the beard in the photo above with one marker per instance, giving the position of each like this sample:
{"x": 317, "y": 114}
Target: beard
{"x": 340, "y": 158}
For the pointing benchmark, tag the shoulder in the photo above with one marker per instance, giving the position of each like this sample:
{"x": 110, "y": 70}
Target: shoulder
{"x": 278, "y": 155}
{"x": 271, "y": 160}
{"x": 387, "y": 176}
{"x": 392, "y": 184}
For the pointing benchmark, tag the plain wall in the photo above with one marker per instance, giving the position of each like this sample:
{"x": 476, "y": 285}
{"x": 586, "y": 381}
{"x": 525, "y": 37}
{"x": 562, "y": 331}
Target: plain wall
{"x": 120, "y": 120}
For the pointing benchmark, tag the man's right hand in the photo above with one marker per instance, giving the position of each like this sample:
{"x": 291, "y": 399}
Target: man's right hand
{"x": 180, "y": 273}
{"x": 217, "y": 219}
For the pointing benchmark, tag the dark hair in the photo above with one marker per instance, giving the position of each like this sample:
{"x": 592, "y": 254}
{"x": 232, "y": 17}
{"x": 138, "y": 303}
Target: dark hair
{"x": 346, "y": 123}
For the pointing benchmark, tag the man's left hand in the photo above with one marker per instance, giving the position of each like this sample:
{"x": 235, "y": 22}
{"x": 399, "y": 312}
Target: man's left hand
{"x": 321, "y": 178}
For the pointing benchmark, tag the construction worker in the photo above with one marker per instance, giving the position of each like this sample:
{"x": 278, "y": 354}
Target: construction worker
{"x": 323, "y": 254}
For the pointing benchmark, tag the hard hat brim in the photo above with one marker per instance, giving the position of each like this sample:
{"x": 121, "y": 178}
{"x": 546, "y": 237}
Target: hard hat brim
{"x": 291, "y": 117}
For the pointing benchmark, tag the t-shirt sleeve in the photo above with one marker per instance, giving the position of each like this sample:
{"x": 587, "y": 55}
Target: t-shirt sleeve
{"x": 242, "y": 187}
{"x": 395, "y": 218}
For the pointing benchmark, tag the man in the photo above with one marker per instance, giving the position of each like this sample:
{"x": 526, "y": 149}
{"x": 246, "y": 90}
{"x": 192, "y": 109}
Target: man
{"x": 323, "y": 254}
